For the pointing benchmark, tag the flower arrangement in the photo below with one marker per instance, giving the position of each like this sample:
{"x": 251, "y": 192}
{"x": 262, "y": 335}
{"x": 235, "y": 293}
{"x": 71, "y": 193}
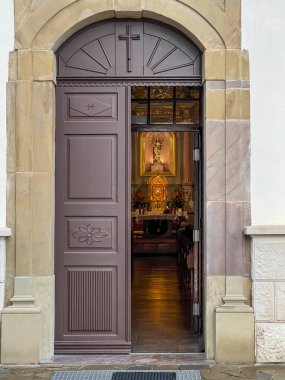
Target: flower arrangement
{"x": 139, "y": 199}
{"x": 178, "y": 199}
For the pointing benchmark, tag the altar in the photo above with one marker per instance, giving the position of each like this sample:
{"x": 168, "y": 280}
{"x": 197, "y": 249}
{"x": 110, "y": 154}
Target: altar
{"x": 154, "y": 232}
{"x": 156, "y": 208}
{"x": 156, "y": 225}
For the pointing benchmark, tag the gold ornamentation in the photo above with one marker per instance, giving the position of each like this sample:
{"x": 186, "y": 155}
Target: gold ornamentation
{"x": 157, "y": 193}
{"x": 162, "y": 159}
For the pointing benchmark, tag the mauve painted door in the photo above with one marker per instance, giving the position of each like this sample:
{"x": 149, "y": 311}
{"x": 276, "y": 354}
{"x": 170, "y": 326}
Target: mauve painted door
{"x": 91, "y": 214}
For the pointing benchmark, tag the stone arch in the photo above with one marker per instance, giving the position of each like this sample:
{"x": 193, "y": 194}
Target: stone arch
{"x": 207, "y": 25}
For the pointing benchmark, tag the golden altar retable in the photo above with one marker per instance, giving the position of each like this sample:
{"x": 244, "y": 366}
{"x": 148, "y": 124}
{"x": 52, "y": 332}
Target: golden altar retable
{"x": 158, "y": 193}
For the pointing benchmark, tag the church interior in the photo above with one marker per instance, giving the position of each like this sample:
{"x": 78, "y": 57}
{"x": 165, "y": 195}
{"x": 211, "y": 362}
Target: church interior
{"x": 164, "y": 195}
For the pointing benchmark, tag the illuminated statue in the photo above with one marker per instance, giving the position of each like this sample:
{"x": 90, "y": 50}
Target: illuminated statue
{"x": 156, "y": 152}
{"x": 157, "y": 140}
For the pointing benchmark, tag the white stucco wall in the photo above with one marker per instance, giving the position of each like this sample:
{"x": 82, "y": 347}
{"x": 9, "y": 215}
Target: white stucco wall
{"x": 263, "y": 34}
{"x": 7, "y": 43}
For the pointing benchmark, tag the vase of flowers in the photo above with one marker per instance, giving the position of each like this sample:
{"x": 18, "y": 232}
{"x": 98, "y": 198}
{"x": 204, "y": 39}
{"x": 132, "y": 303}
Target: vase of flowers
{"x": 139, "y": 200}
{"x": 178, "y": 200}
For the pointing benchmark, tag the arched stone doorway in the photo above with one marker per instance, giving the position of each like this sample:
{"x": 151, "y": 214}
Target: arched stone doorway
{"x": 93, "y": 126}
{"x": 215, "y": 28}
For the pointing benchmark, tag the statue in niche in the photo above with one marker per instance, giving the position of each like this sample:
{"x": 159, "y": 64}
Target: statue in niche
{"x": 157, "y": 141}
{"x": 157, "y": 153}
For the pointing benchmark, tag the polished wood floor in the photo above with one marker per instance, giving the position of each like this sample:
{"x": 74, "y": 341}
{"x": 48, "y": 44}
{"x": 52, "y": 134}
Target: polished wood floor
{"x": 161, "y": 309}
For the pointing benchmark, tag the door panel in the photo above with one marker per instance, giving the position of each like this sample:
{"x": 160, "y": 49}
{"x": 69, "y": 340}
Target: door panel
{"x": 93, "y": 311}
{"x": 87, "y": 178}
{"x": 91, "y": 230}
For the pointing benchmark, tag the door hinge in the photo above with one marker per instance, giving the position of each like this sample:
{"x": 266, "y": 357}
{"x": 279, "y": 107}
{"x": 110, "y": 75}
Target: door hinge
{"x": 196, "y": 236}
{"x": 196, "y": 154}
{"x": 196, "y": 309}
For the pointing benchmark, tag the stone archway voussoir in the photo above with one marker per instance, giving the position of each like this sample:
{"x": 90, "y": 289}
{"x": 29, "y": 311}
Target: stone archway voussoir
{"x": 80, "y": 14}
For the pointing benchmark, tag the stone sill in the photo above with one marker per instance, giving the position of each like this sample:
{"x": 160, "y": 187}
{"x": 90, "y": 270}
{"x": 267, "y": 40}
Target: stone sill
{"x": 264, "y": 230}
{"x": 5, "y": 232}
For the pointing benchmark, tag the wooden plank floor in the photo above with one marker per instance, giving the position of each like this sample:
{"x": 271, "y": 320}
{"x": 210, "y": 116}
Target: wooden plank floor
{"x": 161, "y": 309}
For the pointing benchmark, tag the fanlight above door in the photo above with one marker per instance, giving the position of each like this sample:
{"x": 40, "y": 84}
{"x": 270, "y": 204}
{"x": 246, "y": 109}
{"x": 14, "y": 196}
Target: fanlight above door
{"x": 129, "y": 48}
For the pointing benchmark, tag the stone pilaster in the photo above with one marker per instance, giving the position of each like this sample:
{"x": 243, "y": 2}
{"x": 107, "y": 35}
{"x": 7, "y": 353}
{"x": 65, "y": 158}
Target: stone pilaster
{"x": 28, "y": 324}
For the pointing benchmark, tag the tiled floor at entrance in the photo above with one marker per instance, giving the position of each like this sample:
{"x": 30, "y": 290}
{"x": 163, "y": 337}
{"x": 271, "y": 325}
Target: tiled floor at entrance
{"x": 161, "y": 310}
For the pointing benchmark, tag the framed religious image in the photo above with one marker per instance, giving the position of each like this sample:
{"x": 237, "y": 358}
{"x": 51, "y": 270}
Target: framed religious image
{"x": 157, "y": 153}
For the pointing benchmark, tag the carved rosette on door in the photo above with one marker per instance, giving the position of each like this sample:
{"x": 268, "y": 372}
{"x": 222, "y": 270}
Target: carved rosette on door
{"x": 90, "y": 234}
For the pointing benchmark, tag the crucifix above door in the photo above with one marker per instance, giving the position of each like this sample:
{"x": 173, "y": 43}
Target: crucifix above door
{"x": 128, "y": 37}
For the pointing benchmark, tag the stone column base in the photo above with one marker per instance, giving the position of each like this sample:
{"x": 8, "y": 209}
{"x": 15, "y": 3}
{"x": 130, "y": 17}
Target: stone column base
{"x": 234, "y": 325}
{"x": 21, "y": 326}
{"x": 234, "y": 334}
{"x": 20, "y": 335}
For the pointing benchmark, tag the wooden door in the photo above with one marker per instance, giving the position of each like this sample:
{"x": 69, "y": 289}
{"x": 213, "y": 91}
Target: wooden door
{"x": 92, "y": 228}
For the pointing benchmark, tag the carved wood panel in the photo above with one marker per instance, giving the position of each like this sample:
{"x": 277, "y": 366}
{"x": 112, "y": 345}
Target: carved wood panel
{"x": 99, "y": 106}
{"x": 96, "y": 234}
{"x": 89, "y": 53}
{"x": 91, "y": 226}
{"x": 90, "y": 299}
{"x": 169, "y": 54}
{"x": 131, "y": 49}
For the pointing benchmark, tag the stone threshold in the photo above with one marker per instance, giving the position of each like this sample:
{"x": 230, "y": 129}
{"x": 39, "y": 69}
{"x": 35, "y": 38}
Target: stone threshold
{"x": 209, "y": 371}
{"x": 149, "y": 361}
{"x": 136, "y": 359}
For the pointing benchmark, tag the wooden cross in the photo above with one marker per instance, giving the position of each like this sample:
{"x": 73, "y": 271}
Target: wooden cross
{"x": 128, "y": 37}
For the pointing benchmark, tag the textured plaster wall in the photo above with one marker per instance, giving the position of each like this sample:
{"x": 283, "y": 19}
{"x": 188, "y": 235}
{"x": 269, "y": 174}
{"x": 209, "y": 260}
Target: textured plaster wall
{"x": 263, "y": 34}
{"x": 7, "y": 44}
